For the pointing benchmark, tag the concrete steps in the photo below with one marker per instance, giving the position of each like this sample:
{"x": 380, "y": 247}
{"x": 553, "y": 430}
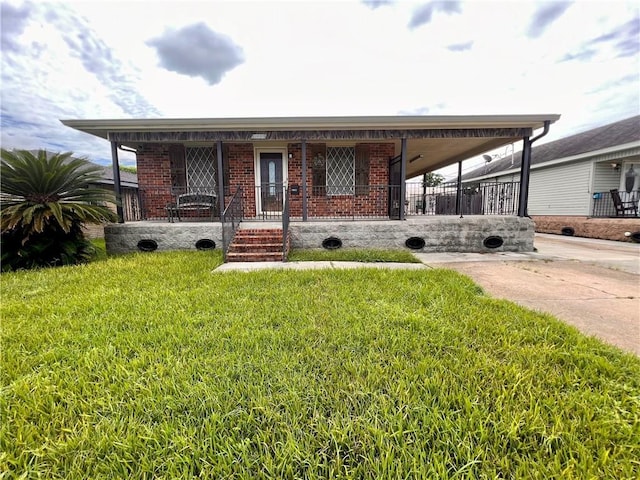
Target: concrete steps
{"x": 257, "y": 245}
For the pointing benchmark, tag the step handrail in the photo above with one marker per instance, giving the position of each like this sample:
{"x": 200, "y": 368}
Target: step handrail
{"x": 285, "y": 224}
{"x": 231, "y": 219}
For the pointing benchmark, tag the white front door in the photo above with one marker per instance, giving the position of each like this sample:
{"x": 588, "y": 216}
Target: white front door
{"x": 271, "y": 179}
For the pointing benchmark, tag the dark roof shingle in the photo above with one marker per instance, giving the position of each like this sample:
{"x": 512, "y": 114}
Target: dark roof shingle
{"x": 617, "y": 133}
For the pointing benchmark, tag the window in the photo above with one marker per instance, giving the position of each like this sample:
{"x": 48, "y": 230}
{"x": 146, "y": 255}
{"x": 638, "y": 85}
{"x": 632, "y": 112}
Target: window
{"x": 340, "y": 170}
{"x": 201, "y": 169}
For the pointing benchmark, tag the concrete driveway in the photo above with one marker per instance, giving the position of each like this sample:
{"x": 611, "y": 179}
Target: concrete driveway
{"x": 593, "y": 285}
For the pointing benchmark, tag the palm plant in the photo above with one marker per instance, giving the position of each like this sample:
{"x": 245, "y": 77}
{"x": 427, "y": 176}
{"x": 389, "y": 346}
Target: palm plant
{"x": 44, "y": 201}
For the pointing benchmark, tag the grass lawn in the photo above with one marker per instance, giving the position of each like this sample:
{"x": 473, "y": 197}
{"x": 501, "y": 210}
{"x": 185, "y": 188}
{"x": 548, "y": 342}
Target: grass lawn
{"x": 101, "y": 249}
{"x": 151, "y": 366}
{"x": 352, "y": 255}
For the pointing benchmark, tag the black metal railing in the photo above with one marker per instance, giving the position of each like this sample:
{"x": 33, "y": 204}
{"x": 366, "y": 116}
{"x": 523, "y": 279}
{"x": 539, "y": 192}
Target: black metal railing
{"x": 231, "y": 218}
{"x": 603, "y": 205}
{"x": 363, "y": 202}
{"x": 159, "y": 203}
{"x": 498, "y": 198}
{"x": 269, "y": 201}
{"x": 285, "y": 224}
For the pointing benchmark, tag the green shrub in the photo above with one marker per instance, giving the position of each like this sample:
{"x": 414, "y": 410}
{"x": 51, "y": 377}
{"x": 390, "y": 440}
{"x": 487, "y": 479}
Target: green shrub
{"x": 45, "y": 200}
{"x": 51, "y": 248}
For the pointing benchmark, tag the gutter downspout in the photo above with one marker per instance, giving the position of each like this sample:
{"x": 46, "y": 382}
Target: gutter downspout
{"x": 525, "y": 170}
{"x": 127, "y": 149}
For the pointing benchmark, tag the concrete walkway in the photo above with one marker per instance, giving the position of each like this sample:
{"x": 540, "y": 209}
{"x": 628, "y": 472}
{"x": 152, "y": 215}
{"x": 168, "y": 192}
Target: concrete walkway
{"x": 253, "y": 266}
{"x": 593, "y": 285}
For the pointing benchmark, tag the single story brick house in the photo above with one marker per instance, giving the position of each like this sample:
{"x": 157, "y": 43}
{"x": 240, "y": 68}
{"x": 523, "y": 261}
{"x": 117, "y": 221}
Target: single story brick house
{"x": 302, "y": 170}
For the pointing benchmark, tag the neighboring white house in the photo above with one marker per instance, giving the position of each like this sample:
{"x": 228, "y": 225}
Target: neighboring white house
{"x": 573, "y": 176}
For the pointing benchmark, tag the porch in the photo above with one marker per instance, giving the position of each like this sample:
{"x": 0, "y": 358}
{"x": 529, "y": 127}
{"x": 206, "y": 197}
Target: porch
{"x": 354, "y": 203}
{"x": 316, "y": 176}
{"x": 604, "y": 205}
{"x": 450, "y": 217}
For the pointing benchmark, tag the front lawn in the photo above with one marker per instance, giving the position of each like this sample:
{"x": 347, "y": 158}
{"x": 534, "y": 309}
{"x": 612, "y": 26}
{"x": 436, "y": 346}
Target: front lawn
{"x": 352, "y": 255}
{"x": 151, "y": 366}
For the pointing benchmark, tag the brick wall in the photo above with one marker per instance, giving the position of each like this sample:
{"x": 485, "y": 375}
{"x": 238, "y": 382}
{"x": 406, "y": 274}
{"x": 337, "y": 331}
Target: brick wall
{"x": 372, "y": 203}
{"x": 154, "y": 179}
{"x": 242, "y": 174}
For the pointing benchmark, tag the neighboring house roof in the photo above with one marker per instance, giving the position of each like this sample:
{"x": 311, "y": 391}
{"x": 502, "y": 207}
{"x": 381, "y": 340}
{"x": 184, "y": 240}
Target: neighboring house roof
{"x": 615, "y": 134}
{"x": 432, "y": 141}
{"x": 127, "y": 179}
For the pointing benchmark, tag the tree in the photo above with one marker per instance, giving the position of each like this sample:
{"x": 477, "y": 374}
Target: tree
{"x": 44, "y": 201}
{"x": 432, "y": 179}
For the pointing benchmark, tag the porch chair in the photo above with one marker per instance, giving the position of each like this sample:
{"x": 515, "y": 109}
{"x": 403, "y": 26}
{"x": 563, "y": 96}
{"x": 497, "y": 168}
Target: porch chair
{"x": 623, "y": 207}
{"x": 194, "y": 203}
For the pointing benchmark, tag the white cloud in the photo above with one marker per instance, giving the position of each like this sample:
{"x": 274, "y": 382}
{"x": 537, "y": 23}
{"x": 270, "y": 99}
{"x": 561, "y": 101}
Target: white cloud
{"x": 197, "y": 51}
{"x": 94, "y": 59}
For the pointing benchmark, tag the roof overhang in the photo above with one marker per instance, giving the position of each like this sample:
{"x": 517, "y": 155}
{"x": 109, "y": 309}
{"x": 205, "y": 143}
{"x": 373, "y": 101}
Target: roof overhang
{"x": 617, "y": 152}
{"x": 433, "y": 142}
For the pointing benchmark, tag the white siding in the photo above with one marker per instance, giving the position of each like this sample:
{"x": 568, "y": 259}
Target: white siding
{"x": 514, "y": 177}
{"x": 561, "y": 190}
{"x": 605, "y": 177}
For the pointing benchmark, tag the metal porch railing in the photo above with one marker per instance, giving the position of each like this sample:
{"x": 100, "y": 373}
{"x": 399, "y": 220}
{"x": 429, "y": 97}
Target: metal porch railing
{"x": 603, "y": 207}
{"x": 498, "y": 198}
{"x": 285, "y": 224}
{"x": 363, "y": 202}
{"x": 231, "y": 218}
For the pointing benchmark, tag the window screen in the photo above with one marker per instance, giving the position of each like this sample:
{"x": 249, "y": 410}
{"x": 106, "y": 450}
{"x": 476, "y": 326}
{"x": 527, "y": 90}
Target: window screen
{"x": 340, "y": 170}
{"x": 201, "y": 169}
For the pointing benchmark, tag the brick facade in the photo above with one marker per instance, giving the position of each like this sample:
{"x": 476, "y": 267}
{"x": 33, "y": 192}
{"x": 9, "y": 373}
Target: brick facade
{"x": 154, "y": 179}
{"x": 155, "y": 182}
{"x": 372, "y": 202}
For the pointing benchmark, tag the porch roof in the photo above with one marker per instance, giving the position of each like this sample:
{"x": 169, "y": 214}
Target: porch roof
{"x": 432, "y": 141}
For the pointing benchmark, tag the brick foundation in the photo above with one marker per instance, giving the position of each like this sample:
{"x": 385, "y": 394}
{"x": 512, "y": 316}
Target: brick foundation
{"x": 603, "y": 228}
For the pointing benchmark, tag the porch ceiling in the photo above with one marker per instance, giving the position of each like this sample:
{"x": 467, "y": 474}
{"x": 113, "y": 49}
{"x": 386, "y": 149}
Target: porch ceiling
{"x": 441, "y": 140}
{"x": 438, "y": 153}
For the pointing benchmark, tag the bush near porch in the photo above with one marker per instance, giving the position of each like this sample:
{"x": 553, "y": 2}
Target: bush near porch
{"x": 152, "y": 366}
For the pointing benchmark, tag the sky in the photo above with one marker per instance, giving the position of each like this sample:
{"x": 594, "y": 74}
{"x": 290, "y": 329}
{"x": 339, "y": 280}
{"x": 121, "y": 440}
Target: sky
{"x": 214, "y": 59}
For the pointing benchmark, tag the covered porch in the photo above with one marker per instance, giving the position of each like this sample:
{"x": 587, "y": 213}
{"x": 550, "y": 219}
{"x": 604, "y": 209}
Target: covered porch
{"x": 374, "y": 202}
{"x": 316, "y": 169}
